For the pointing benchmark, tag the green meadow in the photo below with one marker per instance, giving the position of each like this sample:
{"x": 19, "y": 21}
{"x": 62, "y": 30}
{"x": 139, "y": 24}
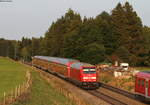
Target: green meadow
{"x": 42, "y": 93}
{"x": 12, "y": 74}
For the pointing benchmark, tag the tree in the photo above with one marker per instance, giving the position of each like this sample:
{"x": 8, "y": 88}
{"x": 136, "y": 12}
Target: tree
{"x": 81, "y": 43}
{"x": 63, "y": 27}
{"x": 109, "y": 38}
{"x": 35, "y": 45}
{"x": 119, "y": 21}
{"x": 94, "y": 53}
{"x": 128, "y": 28}
{"x": 146, "y": 33}
{"x": 25, "y": 53}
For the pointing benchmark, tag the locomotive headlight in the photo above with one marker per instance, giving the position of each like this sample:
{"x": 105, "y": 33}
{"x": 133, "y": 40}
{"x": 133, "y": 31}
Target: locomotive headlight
{"x": 85, "y": 77}
{"x": 93, "y": 77}
{"x": 89, "y": 77}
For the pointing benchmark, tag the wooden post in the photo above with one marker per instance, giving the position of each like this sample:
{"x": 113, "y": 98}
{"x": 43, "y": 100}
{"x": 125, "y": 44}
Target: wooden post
{"x": 4, "y": 99}
{"x": 12, "y": 96}
{"x": 19, "y": 90}
{"x": 15, "y": 92}
{"x": 24, "y": 87}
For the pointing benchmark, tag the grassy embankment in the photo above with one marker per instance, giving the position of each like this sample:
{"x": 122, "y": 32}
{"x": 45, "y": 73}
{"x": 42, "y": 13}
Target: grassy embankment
{"x": 12, "y": 74}
{"x": 123, "y": 83}
{"x": 42, "y": 93}
{"x": 143, "y": 68}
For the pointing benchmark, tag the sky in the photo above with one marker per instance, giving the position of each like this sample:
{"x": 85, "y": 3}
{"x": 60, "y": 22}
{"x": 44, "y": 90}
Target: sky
{"x": 32, "y": 18}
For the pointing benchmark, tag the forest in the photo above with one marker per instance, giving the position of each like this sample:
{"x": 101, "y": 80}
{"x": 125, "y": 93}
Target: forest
{"x": 106, "y": 38}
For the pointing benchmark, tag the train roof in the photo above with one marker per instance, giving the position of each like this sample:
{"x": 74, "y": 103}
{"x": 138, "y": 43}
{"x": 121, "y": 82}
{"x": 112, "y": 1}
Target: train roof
{"x": 64, "y": 61}
{"x": 78, "y": 65}
{"x": 143, "y": 74}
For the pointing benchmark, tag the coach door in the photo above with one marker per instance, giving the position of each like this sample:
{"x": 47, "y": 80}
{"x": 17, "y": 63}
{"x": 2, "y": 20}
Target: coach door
{"x": 142, "y": 86}
{"x": 146, "y": 87}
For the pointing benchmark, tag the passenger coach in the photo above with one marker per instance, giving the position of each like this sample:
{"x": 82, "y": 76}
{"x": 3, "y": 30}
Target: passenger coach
{"x": 142, "y": 84}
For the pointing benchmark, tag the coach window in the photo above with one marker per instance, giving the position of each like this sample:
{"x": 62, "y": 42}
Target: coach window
{"x": 139, "y": 82}
{"x": 143, "y": 82}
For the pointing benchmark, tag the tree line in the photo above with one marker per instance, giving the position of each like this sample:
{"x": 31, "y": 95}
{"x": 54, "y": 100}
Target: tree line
{"x": 108, "y": 37}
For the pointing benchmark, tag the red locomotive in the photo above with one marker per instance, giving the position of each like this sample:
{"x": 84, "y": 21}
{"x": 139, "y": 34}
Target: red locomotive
{"x": 142, "y": 84}
{"x": 82, "y": 74}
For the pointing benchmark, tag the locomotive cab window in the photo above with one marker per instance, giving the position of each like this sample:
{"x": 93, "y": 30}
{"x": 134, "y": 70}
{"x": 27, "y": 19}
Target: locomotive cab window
{"x": 89, "y": 70}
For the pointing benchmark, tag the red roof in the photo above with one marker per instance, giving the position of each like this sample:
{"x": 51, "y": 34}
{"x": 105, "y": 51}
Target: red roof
{"x": 143, "y": 74}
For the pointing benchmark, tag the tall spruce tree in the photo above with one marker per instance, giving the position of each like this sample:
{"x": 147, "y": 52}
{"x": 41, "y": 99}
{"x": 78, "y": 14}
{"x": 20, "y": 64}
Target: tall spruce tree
{"x": 119, "y": 22}
{"x": 57, "y": 33}
{"x": 104, "y": 23}
{"x": 128, "y": 28}
{"x": 146, "y": 33}
{"x": 86, "y": 44}
{"x": 136, "y": 44}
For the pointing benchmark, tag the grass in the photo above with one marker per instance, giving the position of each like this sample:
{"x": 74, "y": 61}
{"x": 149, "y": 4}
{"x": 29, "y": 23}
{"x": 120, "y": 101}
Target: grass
{"x": 143, "y": 68}
{"x": 11, "y": 75}
{"x": 123, "y": 83}
{"x": 42, "y": 93}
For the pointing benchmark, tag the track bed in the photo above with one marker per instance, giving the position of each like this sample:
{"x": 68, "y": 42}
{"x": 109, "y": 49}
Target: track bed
{"x": 116, "y": 98}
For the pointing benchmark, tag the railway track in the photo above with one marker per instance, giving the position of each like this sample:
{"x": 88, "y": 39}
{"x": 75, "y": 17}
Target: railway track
{"x": 125, "y": 93}
{"x": 122, "y": 95}
{"x": 117, "y": 90}
{"x": 107, "y": 98}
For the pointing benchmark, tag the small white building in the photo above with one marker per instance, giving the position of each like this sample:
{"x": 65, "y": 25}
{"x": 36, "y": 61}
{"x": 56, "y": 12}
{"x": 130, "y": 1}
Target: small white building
{"x": 125, "y": 66}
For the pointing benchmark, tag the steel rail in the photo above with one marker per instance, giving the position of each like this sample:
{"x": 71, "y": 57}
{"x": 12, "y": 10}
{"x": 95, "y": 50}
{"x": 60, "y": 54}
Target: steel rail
{"x": 107, "y": 98}
{"x": 117, "y": 90}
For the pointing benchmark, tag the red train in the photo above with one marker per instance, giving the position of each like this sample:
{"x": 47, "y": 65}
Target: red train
{"x": 82, "y": 74}
{"x": 142, "y": 85}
